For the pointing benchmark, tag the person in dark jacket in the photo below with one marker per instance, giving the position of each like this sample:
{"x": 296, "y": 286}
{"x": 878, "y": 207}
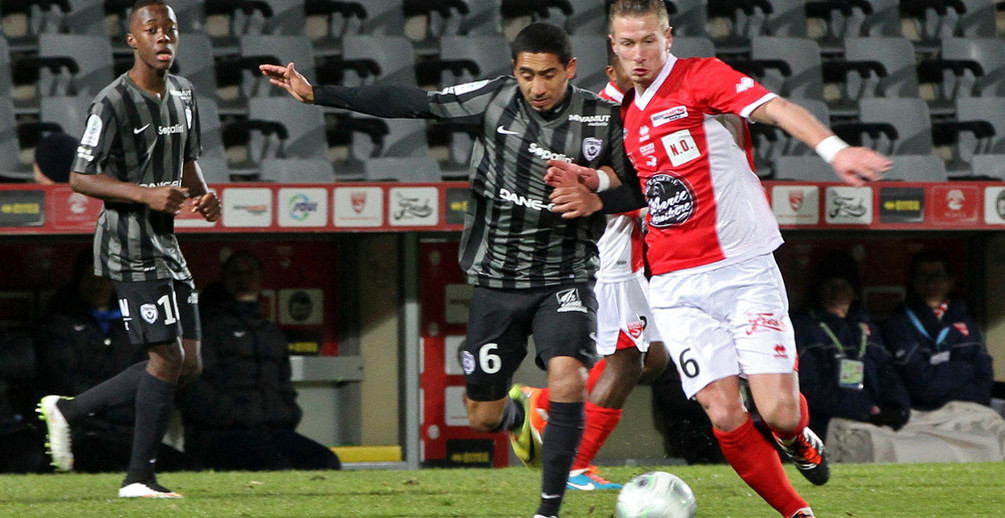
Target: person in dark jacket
{"x": 81, "y": 341}
{"x": 938, "y": 346}
{"x": 242, "y": 414}
{"x": 844, "y": 369}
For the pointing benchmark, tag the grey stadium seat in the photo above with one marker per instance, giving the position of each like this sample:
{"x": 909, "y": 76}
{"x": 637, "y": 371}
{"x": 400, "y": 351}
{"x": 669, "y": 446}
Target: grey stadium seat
{"x": 490, "y": 55}
{"x": 70, "y": 112}
{"x": 692, "y": 47}
{"x": 413, "y": 169}
{"x": 296, "y": 170}
{"x": 376, "y": 59}
{"x": 916, "y": 168}
{"x": 806, "y": 168}
{"x": 91, "y": 55}
{"x": 591, "y": 61}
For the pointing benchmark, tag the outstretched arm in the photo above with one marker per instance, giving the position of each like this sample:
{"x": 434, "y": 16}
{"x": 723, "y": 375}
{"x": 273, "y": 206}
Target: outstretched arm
{"x": 854, "y": 165}
{"x": 387, "y": 101}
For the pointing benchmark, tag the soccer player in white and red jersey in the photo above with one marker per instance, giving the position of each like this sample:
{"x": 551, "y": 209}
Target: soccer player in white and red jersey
{"x": 631, "y": 348}
{"x": 716, "y": 291}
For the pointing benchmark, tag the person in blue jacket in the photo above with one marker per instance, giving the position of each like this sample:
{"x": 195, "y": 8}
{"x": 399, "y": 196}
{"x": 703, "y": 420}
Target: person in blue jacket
{"x": 844, "y": 368}
{"x": 937, "y": 344}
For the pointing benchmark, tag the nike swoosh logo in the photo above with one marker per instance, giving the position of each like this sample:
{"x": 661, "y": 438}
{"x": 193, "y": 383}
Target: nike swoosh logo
{"x": 582, "y": 487}
{"x": 503, "y": 131}
{"x": 78, "y": 327}
{"x": 547, "y": 496}
{"x": 239, "y": 334}
{"x": 138, "y": 131}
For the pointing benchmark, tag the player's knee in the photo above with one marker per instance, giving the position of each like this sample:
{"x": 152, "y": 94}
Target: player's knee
{"x": 782, "y": 415}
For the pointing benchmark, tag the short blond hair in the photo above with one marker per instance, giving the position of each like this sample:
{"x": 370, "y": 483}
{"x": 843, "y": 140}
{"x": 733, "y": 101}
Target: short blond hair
{"x": 637, "y": 8}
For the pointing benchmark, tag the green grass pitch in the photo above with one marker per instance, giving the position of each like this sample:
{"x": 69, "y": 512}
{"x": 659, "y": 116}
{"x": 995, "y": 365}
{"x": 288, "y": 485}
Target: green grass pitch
{"x": 904, "y": 490}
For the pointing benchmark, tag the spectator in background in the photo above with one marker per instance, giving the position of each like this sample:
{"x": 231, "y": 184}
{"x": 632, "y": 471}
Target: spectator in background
{"x": 844, "y": 369}
{"x": 242, "y": 413}
{"x": 54, "y": 156}
{"x": 81, "y": 341}
{"x": 938, "y": 346}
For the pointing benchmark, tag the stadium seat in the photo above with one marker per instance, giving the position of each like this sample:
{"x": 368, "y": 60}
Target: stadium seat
{"x": 382, "y": 17}
{"x": 689, "y": 18}
{"x": 591, "y": 61}
{"x": 978, "y": 128}
{"x": 580, "y": 17}
{"x": 211, "y": 128}
{"x": 909, "y": 117}
{"x": 788, "y": 66}
{"x": 74, "y": 64}
{"x": 70, "y": 112}
{"x": 412, "y": 169}
{"x": 11, "y": 167}
{"x": 692, "y": 47}
{"x": 934, "y": 20}
{"x": 861, "y": 18}
{"x": 916, "y": 168}
{"x": 373, "y": 59}
{"x": 751, "y": 19}
{"x": 807, "y": 168}
{"x": 966, "y": 67}
{"x": 277, "y": 50}
{"x": 464, "y": 59}
{"x": 988, "y": 167}
{"x": 771, "y": 142}
{"x": 483, "y": 17}
{"x": 296, "y": 170}
{"x": 276, "y": 128}
{"x": 6, "y": 70}
{"x": 403, "y": 138}
{"x": 872, "y": 67}
{"x": 214, "y": 169}
{"x": 195, "y": 63}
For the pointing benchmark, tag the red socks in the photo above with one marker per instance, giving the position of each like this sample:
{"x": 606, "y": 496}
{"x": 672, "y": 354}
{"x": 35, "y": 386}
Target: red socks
{"x": 600, "y": 422}
{"x": 758, "y": 464}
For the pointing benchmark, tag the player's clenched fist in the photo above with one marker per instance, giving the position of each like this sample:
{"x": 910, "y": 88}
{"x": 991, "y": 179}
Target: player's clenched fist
{"x": 166, "y": 198}
{"x": 208, "y": 205}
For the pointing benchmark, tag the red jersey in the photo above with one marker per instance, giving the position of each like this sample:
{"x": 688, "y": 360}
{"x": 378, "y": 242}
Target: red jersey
{"x": 695, "y": 165}
{"x": 620, "y": 246}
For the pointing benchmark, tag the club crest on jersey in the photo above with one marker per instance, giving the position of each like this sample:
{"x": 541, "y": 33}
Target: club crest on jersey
{"x": 671, "y": 200}
{"x": 149, "y": 312}
{"x": 592, "y": 147}
{"x": 568, "y": 300}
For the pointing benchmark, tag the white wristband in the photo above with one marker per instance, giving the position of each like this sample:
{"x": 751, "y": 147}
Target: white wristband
{"x": 603, "y": 181}
{"x": 828, "y": 148}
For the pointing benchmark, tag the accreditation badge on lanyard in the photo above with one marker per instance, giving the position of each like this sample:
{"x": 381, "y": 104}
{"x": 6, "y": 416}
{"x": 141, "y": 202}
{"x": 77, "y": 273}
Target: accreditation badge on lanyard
{"x": 851, "y": 373}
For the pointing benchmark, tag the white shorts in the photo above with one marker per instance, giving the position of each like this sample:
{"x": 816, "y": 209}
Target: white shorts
{"x": 623, "y": 314}
{"x": 730, "y": 321}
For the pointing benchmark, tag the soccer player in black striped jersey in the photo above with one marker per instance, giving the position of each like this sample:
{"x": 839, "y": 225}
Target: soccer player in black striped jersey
{"x": 138, "y": 154}
{"x": 533, "y": 272}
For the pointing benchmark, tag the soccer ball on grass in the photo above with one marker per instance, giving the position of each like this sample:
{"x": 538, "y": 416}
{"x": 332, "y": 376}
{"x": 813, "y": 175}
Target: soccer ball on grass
{"x": 656, "y": 494}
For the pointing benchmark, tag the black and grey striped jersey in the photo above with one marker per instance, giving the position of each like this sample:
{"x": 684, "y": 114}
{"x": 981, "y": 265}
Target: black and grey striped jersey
{"x": 511, "y": 239}
{"x": 133, "y": 136}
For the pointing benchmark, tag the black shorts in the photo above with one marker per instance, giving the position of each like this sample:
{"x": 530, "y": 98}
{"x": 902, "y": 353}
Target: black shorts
{"x": 159, "y": 311}
{"x": 562, "y": 320}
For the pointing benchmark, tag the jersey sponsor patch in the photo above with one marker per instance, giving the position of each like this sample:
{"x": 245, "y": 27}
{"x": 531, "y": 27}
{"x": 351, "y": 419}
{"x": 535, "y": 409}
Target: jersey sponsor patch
{"x": 464, "y": 88}
{"x": 681, "y": 147}
{"x": 668, "y": 115}
{"x": 592, "y": 147}
{"x": 671, "y": 200}
{"x": 92, "y": 133}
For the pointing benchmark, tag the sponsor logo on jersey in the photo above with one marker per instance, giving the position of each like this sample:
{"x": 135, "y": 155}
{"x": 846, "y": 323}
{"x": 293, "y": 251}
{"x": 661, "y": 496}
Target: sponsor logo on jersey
{"x": 590, "y": 120}
{"x": 592, "y": 147}
{"x": 568, "y": 300}
{"x": 523, "y": 201}
{"x": 669, "y": 115}
{"x": 185, "y": 95}
{"x": 780, "y": 351}
{"x": 84, "y": 153}
{"x": 745, "y": 84}
{"x": 92, "y": 133}
{"x": 463, "y": 88}
{"x": 643, "y": 133}
{"x": 648, "y": 149}
{"x": 168, "y": 130}
{"x": 546, "y": 154}
{"x": 671, "y": 200}
{"x": 761, "y": 322}
{"x": 651, "y": 160}
{"x": 149, "y": 313}
{"x": 681, "y": 147}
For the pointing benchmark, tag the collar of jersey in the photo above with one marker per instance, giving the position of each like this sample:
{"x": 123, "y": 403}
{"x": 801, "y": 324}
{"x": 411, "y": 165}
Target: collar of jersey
{"x": 642, "y": 100}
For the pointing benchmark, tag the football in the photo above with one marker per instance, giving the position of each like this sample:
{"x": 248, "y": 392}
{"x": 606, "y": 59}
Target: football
{"x": 656, "y": 494}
